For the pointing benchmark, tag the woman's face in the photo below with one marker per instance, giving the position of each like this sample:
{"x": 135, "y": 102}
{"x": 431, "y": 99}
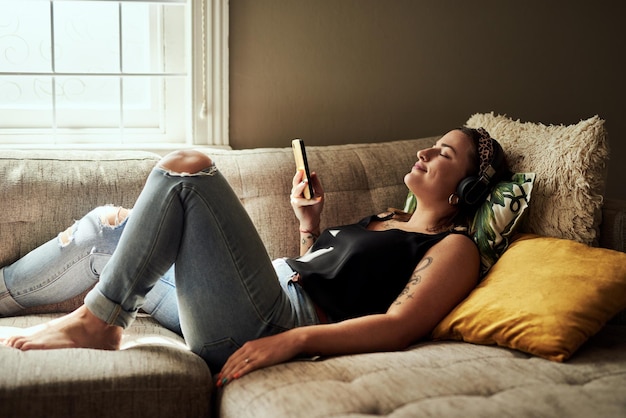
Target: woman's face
{"x": 439, "y": 169}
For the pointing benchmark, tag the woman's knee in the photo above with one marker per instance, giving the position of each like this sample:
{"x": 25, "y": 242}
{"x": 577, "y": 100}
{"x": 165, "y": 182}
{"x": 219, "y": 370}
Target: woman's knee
{"x": 185, "y": 161}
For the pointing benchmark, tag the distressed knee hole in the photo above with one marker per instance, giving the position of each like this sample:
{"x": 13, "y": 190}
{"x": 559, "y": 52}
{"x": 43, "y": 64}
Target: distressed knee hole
{"x": 115, "y": 216}
{"x": 185, "y": 162}
{"x": 110, "y": 217}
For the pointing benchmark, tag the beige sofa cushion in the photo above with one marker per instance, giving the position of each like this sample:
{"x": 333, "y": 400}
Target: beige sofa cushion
{"x": 440, "y": 379}
{"x": 154, "y": 374}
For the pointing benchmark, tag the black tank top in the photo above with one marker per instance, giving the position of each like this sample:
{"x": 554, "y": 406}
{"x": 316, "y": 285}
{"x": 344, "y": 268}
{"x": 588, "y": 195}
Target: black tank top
{"x": 351, "y": 271}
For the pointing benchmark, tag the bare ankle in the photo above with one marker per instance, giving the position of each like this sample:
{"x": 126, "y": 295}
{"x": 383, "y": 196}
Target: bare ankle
{"x": 98, "y": 333}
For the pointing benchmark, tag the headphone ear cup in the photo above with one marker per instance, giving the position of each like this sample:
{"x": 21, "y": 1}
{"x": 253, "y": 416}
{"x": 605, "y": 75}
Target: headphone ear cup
{"x": 464, "y": 187}
{"x": 471, "y": 191}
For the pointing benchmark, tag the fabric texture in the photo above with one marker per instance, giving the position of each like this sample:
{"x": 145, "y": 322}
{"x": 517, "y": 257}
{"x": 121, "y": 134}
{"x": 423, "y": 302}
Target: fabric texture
{"x": 545, "y": 296}
{"x": 498, "y": 218}
{"x": 570, "y": 163}
{"x": 439, "y": 379}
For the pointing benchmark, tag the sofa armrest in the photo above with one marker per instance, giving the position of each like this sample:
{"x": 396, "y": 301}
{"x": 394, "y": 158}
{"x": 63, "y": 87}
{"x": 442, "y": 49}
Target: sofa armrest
{"x": 613, "y": 226}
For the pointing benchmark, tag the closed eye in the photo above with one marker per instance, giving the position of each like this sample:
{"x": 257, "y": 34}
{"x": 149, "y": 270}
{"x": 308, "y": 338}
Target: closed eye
{"x": 448, "y": 149}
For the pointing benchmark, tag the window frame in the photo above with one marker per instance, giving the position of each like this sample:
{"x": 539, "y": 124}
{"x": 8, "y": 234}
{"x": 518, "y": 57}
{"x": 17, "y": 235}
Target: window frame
{"x": 207, "y": 124}
{"x": 210, "y": 52}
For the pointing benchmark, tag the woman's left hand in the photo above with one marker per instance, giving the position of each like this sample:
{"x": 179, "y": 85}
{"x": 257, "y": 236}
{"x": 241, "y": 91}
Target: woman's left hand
{"x": 307, "y": 211}
{"x": 257, "y": 354}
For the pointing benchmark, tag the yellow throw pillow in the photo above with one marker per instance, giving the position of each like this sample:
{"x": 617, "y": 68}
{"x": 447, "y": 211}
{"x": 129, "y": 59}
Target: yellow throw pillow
{"x": 544, "y": 296}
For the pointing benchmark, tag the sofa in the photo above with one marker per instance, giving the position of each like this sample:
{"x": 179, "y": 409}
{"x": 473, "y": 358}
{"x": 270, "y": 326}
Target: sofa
{"x": 478, "y": 362}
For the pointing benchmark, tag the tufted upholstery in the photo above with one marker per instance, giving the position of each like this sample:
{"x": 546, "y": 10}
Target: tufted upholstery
{"x": 440, "y": 380}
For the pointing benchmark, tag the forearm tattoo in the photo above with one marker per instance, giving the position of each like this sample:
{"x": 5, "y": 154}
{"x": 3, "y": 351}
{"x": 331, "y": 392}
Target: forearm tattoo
{"x": 416, "y": 278}
{"x": 306, "y": 239}
{"x": 306, "y": 242}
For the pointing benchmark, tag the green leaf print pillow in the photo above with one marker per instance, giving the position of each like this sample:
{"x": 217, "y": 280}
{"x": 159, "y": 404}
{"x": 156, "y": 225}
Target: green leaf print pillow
{"x": 498, "y": 218}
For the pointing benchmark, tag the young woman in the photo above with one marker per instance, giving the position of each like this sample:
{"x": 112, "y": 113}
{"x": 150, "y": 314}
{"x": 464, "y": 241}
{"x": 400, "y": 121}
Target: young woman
{"x": 377, "y": 285}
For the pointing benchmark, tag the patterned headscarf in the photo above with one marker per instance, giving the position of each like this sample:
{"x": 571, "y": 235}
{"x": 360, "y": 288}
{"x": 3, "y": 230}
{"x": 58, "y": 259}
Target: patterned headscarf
{"x": 485, "y": 150}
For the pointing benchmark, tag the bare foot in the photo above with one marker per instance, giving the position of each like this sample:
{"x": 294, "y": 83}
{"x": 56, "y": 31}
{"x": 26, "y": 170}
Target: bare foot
{"x": 79, "y": 329}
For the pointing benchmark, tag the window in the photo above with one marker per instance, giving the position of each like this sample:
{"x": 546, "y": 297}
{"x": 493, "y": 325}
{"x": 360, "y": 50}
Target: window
{"x": 121, "y": 73}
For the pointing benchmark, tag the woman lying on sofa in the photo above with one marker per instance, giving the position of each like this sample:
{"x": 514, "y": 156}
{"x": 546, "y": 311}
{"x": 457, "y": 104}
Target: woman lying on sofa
{"x": 377, "y": 285}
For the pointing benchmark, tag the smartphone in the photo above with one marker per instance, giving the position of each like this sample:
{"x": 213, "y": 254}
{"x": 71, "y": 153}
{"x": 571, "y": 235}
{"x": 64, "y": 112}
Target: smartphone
{"x": 299, "y": 153}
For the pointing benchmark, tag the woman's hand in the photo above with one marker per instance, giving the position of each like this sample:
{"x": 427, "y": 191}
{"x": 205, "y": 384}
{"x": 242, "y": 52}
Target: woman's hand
{"x": 307, "y": 211}
{"x": 257, "y": 354}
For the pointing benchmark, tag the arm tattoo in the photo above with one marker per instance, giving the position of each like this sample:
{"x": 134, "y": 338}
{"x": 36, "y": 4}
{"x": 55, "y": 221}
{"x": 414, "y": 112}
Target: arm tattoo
{"x": 416, "y": 278}
{"x": 306, "y": 242}
{"x": 308, "y": 238}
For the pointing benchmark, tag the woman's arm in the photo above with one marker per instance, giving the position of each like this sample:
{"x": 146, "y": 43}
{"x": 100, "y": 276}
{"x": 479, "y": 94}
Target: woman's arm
{"x": 442, "y": 279}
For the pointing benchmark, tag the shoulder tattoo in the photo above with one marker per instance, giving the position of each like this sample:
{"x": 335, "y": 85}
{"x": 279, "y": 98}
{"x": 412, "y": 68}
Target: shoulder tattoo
{"x": 409, "y": 291}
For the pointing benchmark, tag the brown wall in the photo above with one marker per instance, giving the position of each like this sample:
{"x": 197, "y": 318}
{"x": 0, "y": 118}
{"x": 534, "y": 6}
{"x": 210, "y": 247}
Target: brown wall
{"x": 340, "y": 71}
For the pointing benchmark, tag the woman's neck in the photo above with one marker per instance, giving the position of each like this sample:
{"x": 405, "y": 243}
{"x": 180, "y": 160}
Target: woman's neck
{"x": 430, "y": 221}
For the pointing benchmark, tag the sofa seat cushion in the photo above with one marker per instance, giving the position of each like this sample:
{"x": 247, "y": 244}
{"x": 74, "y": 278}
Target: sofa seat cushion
{"x": 440, "y": 379}
{"x": 154, "y": 375}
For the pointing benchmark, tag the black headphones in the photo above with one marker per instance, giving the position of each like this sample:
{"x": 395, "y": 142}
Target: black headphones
{"x": 474, "y": 190}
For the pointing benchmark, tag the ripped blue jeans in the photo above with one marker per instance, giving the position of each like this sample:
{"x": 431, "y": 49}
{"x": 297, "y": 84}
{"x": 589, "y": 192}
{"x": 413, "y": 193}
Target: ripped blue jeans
{"x": 188, "y": 254}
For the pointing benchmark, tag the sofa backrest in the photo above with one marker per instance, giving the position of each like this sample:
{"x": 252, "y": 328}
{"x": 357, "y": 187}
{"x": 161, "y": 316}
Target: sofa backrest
{"x": 43, "y": 192}
{"x": 358, "y": 180}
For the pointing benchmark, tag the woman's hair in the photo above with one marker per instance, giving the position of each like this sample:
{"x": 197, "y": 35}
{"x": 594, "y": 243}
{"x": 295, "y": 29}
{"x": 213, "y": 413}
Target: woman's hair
{"x": 474, "y": 135}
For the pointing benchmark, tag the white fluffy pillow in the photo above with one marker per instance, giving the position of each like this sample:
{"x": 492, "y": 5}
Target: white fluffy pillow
{"x": 570, "y": 163}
